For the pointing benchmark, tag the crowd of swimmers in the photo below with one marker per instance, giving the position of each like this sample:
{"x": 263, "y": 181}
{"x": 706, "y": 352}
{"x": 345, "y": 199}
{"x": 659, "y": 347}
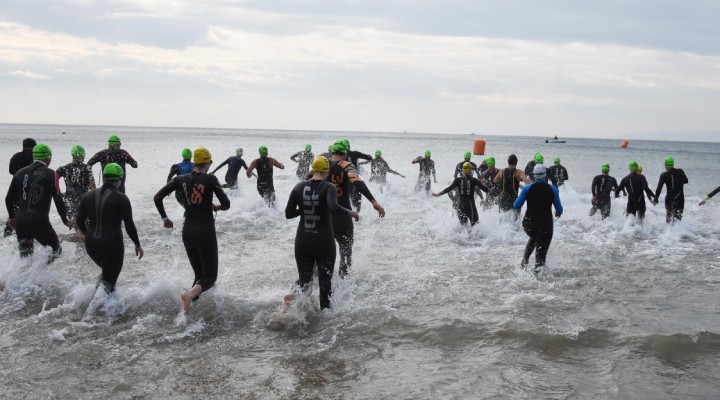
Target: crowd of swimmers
{"x": 327, "y": 199}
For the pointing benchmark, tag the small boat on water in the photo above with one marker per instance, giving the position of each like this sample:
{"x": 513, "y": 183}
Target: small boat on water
{"x": 554, "y": 140}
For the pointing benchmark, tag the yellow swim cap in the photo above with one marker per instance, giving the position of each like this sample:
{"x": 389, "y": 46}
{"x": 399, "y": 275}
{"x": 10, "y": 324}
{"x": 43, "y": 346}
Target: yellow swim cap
{"x": 201, "y": 156}
{"x": 467, "y": 168}
{"x": 321, "y": 164}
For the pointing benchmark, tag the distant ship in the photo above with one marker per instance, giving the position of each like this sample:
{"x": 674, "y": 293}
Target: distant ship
{"x": 554, "y": 140}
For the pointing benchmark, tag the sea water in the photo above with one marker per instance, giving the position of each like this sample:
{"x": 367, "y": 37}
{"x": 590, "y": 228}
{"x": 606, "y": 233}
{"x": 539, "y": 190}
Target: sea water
{"x": 431, "y": 309}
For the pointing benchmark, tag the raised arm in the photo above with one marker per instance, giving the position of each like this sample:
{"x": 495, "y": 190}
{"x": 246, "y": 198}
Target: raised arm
{"x": 222, "y": 164}
{"x": 277, "y": 163}
{"x": 128, "y": 159}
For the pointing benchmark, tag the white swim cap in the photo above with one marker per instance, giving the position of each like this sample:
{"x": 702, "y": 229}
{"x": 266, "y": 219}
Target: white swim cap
{"x": 239, "y": 151}
{"x": 539, "y": 171}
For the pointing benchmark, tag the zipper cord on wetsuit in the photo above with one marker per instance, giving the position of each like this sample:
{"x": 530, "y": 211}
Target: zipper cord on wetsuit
{"x": 100, "y": 200}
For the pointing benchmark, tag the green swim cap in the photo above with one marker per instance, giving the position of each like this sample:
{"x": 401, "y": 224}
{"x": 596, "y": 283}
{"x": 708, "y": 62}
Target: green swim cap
{"x": 114, "y": 139}
{"x": 490, "y": 161}
{"x": 263, "y": 150}
{"x": 339, "y": 147}
{"x": 427, "y": 153}
{"x": 605, "y": 167}
{"x": 633, "y": 165}
{"x": 378, "y": 153}
{"x": 77, "y": 151}
{"x": 539, "y": 158}
{"x": 669, "y": 162}
{"x": 186, "y": 154}
{"x": 557, "y": 160}
{"x": 346, "y": 143}
{"x": 42, "y": 151}
{"x": 308, "y": 147}
{"x": 468, "y": 155}
{"x": 113, "y": 171}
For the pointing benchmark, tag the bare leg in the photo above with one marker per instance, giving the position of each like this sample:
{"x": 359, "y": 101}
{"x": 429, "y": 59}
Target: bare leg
{"x": 188, "y": 296}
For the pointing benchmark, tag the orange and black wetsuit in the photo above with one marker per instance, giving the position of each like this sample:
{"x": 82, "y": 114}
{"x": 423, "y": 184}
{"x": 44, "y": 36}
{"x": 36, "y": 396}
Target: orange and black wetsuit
{"x": 198, "y": 232}
{"x": 344, "y": 176}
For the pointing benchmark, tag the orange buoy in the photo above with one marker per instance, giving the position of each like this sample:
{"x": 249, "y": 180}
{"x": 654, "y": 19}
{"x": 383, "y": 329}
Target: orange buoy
{"x": 479, "y": 148}
{"x": 624, "y": 144}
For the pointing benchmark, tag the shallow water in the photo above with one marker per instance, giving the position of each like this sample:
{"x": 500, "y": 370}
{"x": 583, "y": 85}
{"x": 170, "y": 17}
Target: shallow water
{"x": 431, "y": 309}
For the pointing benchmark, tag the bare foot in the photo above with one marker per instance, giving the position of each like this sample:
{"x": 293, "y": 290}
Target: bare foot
{"x": 286, "y": 302}
{"x": 185, "y": 301}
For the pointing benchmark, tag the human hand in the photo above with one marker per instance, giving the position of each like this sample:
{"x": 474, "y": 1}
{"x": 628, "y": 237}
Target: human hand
{"x": 378, "y": 208}
{"x": 139, "y": 252}
{"x": 355, "y": 215}
{"x": 69, "y": 224}
{"x": 12, "y": 223}
{"x": 167, "y": 223}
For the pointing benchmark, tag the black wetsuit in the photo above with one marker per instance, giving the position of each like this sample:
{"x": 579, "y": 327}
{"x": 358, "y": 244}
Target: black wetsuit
{"x": 19, "y": 160}
{"x": 265, "y": 179}
{"x": 538, "y": 220}
{"x": 558, "y": 175}
{"x": 602, "y": 186}
{"x": 106, "y": 209}
{"x": 118, "y": 156}
{"x": 635, "y": 184}
{"x": 28, "y": 202}
{"x": 78, "y": 180}
{"x": 235, "y": 165}
{"x": 379, "y": 169}
{"x": 198, "y": 232}
{"x": 509, "y": 189}
{"x": 427, "y": 168}
{"x": 304, "y": 160}
{"x": 354, "y": 157}
{"x": 343, "y": 175}
{"x": 313, "y": 201}
{"x": 674, "y": 179}
{"x": 713, "y": 193}
{"x": 493, "y": 188}
{"x": 466, "y": 186}
{"x": 529, "y": 169}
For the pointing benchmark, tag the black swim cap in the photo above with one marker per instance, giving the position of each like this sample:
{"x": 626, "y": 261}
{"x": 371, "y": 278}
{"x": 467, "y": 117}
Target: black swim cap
{"x": 29, "y": 143}
{"x": 512, "y": 160}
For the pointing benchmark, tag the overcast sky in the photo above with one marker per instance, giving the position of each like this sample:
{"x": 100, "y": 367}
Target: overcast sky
{"x": 611, "y": 68}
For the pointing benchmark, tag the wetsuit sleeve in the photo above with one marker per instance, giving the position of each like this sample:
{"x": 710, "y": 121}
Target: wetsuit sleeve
{"x": 10, "y": 198}
{"x": 333, "y": 206}
{"x": 243, "y": 165}
{"x": 363, "y": 189}
{"x": 295, "y": 156}
{"x": 220, "y": 194}
{"x": 222, "y": 164}
{"x": 521, "y": 198}
{"x": 94, "y": 159}
{"x": 646, "y": 188}
{"x": 594, "y": 187}
{"x": 458, "y": 171}
{"x": 173, "y": 171}
{"x": 479, "y": 185}
{"x": 713, "y": 193}
{"x": 565, "y": 174}
{"x": 685, "y": 179}
{"x": 556, "y": 201}
{"x": 357, "y": 155}
{"x": 129, "y": 223}
{"x": 14, "y": 160}
{"x": 59, "y": 203}
{"x": 621, "y": 187}
{"x": 128, "y": 159}
{"x": 452, "y": 186}
{"x": 387, "y": 167}
{"x": 81, "y": 216}
{"x": 661, "y": 182}
{"x": 164, "y": 192}
{"x": 292, "y": 209}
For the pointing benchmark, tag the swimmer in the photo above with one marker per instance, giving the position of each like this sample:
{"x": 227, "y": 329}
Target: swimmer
{"x": 538, "y": 220}
{"x": 198, "y": 232}
{"x": 105, "y": 211}
{"x": 313, "y": 200}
